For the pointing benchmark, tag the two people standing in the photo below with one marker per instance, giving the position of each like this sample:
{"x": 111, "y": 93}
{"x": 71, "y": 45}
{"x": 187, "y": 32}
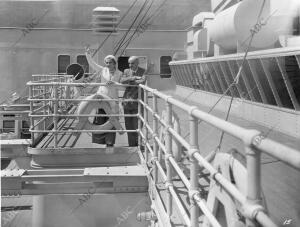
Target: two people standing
{"x": 110, "y": 74}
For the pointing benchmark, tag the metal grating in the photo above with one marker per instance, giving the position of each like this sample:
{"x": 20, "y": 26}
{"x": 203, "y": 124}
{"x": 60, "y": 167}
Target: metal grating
{"x": 268, "y": 77}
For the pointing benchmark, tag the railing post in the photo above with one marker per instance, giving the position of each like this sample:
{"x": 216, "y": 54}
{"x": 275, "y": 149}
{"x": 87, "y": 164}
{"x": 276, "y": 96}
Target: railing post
{"x": 31, "y": 111}
{"x": 139, "y": 115}
{"x": 167, "y": 155}
{"x": 45, "y": 104}
{"x": 145, "y": 124}
{"x": 194, "y": 169}
{"x": 55, "y": 114}
{"x": 253, "y": 180}
{"x": 155, "y": 130}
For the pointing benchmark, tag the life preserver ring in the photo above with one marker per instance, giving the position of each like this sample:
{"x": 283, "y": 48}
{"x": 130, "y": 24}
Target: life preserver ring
{"x": 232, "y": 166}
{"x": 86, "y": 107}
{"x": 176, "y": 146}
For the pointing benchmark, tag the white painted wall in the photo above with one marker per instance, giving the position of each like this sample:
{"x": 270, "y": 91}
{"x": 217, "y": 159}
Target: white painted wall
{"x": 36, "y": 53}
{"x": 274, "y": 118}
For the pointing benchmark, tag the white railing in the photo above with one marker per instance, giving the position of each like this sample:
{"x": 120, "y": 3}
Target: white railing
{"x": 46, "y": 109}
{"x": 254, "y": 145}
{"x": 56, "y": 98}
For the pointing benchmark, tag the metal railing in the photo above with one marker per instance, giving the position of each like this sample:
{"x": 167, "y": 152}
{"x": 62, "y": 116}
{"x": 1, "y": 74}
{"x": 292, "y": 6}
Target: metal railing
{"x": 268, "y": 76}
{"x": 250, "y": 203}
{"x": 54, "y": 98}
{"x": 48, "y": 109}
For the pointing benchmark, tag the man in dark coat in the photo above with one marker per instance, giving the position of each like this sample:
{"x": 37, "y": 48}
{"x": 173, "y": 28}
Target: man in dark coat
{"x": 133, "y": 76}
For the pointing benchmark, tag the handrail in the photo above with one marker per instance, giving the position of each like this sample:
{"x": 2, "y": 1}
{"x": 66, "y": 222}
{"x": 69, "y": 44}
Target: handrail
{"x": 248, "y": 136}
{"x": 276, "y": 52}
{"x": 57, "y": 97}
{"x": 254, "y": 144}
{"x": 30, "y": 83}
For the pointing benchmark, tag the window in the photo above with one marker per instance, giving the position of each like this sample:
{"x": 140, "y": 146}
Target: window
{"x": 81, "y": 60}
{"x": 25, "y": 124}
{"x": 8, "y": 126}
{"x": 25, "y": 134}
{"x": 165, "y": 71}
{"x": 123, "y": 63}
{"x": 63, "y": 62}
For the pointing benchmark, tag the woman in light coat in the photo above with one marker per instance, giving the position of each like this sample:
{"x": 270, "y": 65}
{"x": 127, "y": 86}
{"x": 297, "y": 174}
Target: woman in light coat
{"x": 110, "y": 75}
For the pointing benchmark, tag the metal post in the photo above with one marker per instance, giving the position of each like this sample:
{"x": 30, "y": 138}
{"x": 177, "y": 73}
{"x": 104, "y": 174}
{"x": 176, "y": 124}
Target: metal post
{"x": 155, "y": 130}
{"x": 139, "y": 114}
{"x": 253, "y": 180}
{"x": 194, "y": 169}
{"x": 55, "y": 114}
{"x": 146, "y": 122}
{"x": 167, "y": 155}
{"x": 45, "y": 104}
{"x": 31, "y": 110}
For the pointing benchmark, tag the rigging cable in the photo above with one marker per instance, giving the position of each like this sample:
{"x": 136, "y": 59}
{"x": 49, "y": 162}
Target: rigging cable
{"x": 128, "y": 30}
{"x": 144, "y": 25}
{"x": 112, "y": 32}
{"x": 137, "y": 30}
{"x": 253, "y": 31}
{"x": 120, "y": 42}
{"x": 227, "y": 116}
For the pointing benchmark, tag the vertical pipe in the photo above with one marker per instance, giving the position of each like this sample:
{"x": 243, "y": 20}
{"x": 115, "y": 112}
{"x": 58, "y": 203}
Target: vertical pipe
{"x": 194, "y": 169}
{"x": 146, "y": 122}
{"x": 168, "y": 154}
{"x": 55, "y": 114}
{"x": 253, "y": 179}
{"x": 44, "y": 103}
{"x": 139, "y": 115}
{"x": 155, "y": 133}
{"x": 31, "y": 111}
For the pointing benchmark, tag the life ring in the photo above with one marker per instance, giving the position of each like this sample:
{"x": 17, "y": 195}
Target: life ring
{"x": 176, "y": 146}
{"x": 86, "y": 107}
{"x": 232, "y": 166}
{"x": 77, "y": 71}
